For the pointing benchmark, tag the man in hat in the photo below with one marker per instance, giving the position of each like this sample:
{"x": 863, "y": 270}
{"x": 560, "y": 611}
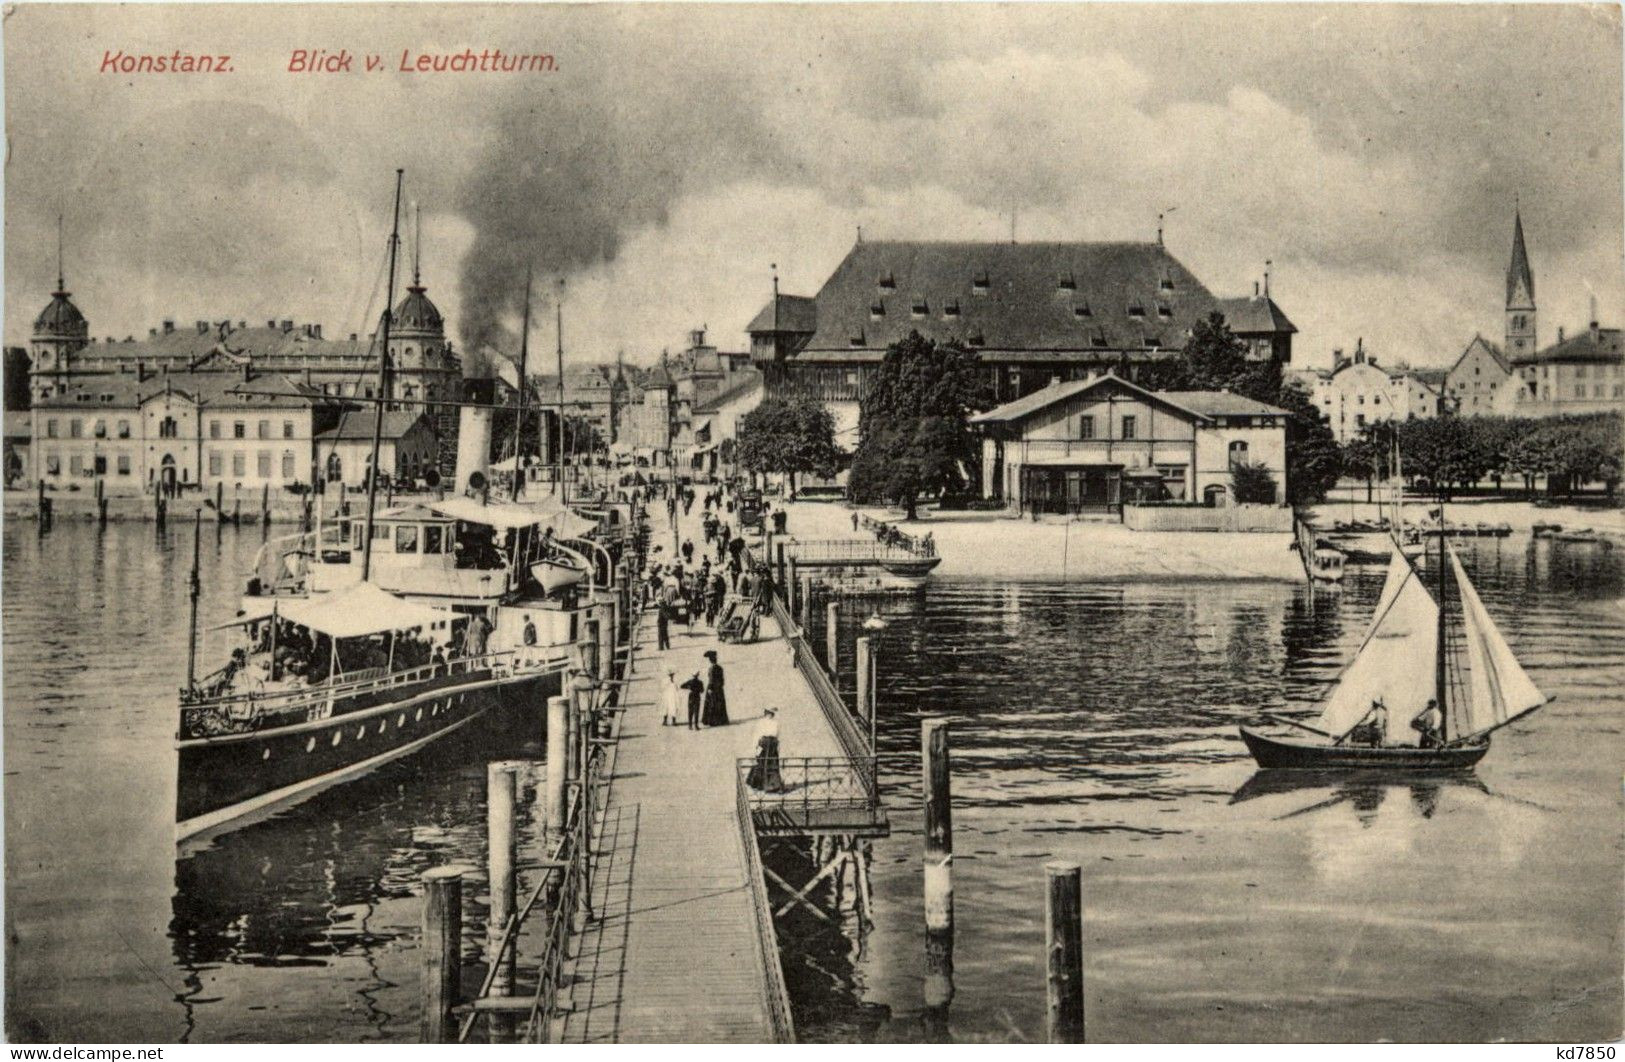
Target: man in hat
{"x": 662, "y": 626}
{"x": 716, "y": 698}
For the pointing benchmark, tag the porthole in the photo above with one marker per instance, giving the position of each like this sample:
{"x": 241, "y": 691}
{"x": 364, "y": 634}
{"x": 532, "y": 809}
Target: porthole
{"x": 310, "y": 746}
{"x": 381, "y": 724}
{"x": 419, "y": 717}
{"x": 337, "y": 737}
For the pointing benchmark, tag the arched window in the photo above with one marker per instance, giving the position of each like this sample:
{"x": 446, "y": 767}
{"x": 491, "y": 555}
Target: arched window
{"x": 335, "y": 468}
{"x": 1238, "y": 453}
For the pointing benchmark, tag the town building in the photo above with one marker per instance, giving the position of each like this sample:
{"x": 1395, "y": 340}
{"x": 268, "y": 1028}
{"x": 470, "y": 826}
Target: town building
{"x": 1581, "y": 373}
{"x": 1094, "y": 444}
{"x": 424, "y": 368}
{"x": 596, "y": 394}
{"x": 1032, "y": 311}
{"x": 1358, "y": 392}
{"x": 716, "y": 421}
{"x": 181, "y": 431}
{"x": 1481, "y": 382}
{"x": 649, "y": 419}
{"x": 407, "y": 447}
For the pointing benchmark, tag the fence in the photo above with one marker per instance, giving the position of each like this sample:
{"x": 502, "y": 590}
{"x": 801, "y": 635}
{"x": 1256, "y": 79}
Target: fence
{"x": 778, "y": 995}
{"x": 915, "y": 547}
{"x": 854, "y": 742}
{"x": 852, "y": 550}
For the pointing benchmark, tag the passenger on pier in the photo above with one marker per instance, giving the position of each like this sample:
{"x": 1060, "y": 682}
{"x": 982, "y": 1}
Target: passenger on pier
{"x": 696, "y": 694}
{"x": 716, "y": 697}
{"x": 764, "y": 774}
{"x": 671, "y": 700}
{"x": 662, "y": 626}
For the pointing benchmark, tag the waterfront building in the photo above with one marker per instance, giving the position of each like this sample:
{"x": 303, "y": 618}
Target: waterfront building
{"x": 1094, "y": 444}
{"x": 424, "y": 367}
{"x": 597, "y": 394}
{"x": 407, "y": 447}
{"x": 181, "y": 431}
{"x": 1359, "y": 392}
{"x": 716, "y": 420}
{"x": 649, "y": 419}
{"x": 1032, "y": 311}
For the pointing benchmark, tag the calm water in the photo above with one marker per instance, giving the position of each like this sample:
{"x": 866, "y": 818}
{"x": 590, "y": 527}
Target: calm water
{"x": 1090, "y": 723}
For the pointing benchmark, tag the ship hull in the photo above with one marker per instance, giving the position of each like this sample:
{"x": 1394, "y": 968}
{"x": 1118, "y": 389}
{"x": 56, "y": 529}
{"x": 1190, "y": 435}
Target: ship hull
{"x": 226, "y": 780}
{"x": 1279, "y": 753}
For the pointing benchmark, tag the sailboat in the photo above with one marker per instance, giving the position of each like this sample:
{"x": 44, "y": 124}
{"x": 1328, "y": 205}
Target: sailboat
{"x": 1411, "y": 663}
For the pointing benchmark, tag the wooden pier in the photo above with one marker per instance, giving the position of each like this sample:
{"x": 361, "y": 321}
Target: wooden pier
{"x": 675, "y": 939}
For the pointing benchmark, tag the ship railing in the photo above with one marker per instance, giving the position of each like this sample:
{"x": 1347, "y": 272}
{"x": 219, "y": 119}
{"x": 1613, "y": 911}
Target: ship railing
{"x": 767, "y": 938}
{"x": 251, "y": 709}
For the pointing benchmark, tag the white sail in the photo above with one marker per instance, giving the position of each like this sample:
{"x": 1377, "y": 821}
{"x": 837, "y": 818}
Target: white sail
{"x": 1498, "y": 689}
{"x": 1395, "y": 664}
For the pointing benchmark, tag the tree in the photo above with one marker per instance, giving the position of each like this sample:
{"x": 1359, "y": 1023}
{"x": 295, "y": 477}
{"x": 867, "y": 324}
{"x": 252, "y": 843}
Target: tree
{"x": 913, "y": 432}
{"x": 1252, "y": 483}
{"x": 789, "y": 435}
{"x": 1313, "y": 459}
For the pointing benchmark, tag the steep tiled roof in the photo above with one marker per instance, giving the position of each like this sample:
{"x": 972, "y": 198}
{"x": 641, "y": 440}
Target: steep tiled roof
{"x": 1254, "y": 315}
{"x": 796, "y": 313}
{"x": 1011, "y": 296}
{"x": 191, "y": 345}
{"x": 1489, "y": 348}
{"x": 1590, "y": 345}
{"x": 357, "y": 425}
{"x": 1201, "y": 404}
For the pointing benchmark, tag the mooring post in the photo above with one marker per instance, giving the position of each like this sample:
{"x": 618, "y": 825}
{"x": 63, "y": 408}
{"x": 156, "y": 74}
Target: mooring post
{"x": 442, "y": 957}
{"x": 500, "y": 787}
{"x": 832, "y": 638}
{"x": 939, "y": 831}
{"x": 792, "y": 589}
{"x": 865, "y": 697}
{"x": 558, "y": 758}
{"x": 580, "y": 690}
{"x": 806, "y": 606}
{"x": 780, "y": 573}
{"x": 237, "y": 508}
{"x": 220, "y": 500}
{"x": 1063, "y": 940}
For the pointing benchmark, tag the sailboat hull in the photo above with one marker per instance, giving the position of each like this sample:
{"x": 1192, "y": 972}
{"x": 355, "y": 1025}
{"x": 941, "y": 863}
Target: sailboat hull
{"x": 1281, "y": 753}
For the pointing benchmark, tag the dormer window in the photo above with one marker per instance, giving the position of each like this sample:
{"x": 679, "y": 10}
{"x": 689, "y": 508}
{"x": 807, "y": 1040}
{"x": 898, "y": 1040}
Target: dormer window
{"x": 1164, "y": 311}
{"x": 1100, "y": 340}
{"x": 1082, "y": 310}
{"x": 920, "y": 308}
{"x": 1066, "y": 282}
{"x": 950, "y": 308}
{"x": 1153, "y": 342}
{"x": 1167, "y": 284}
{"x": 857, "y": 340}
{"x": 877, "y": 310}
{"x": 980, "y": 284}
{"x": 1135, "y": 309}
{"x": 976, "y": 339}
{"x": 887, "y": 282}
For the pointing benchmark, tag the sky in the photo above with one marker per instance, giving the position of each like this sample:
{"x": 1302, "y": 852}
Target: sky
{"x": 676, "y": 154}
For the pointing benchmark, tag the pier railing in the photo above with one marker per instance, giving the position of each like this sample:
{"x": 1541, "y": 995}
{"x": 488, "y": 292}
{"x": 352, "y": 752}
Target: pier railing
{"x": 915, "y": 547}
{"x": 808, "y": 794}
{"x": 853, "y": 550}
{"x": 778, "y": 995}
{"x": 854, "y": 742}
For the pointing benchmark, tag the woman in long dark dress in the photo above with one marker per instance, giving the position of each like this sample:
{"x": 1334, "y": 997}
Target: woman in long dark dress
{"x": 764, "y": 773}
{"x": 716, "y": 697}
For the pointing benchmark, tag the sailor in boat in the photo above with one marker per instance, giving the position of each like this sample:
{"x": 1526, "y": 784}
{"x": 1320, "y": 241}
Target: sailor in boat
{"x": 1427, "y": 725}
{"x": 1373, "y": 729}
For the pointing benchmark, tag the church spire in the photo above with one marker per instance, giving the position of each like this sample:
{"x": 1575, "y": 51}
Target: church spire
{"x": 1520, "y": 280}
{"x": 1521, "y": 336}
{"x": 61, "y": 285}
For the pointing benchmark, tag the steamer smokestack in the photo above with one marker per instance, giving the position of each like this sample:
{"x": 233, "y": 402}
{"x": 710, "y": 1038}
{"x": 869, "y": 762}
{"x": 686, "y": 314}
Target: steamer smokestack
{"x": 474, "y": 436}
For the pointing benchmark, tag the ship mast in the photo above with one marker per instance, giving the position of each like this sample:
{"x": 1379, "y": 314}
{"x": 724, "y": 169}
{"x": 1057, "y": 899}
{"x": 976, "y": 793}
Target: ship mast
{"x": 197, "y": 590}
{"x": 519, "y": 399}
{"x": 383, "y": 379}
{"x": 558, "y": 477}
{"x": 1439, "y": 677}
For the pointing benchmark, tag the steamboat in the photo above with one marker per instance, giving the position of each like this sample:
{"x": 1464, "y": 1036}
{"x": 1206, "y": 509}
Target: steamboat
{"x": 367, "y": 638}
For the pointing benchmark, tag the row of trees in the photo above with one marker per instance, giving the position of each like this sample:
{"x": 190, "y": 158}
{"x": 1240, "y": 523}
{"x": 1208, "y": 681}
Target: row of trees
{"x": 1450, "y": 453}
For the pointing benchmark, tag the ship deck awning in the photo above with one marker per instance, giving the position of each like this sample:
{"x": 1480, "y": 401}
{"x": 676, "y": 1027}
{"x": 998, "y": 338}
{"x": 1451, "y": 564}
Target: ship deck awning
{"x": 353, "y": 612}
{"x": 509, "y": 517}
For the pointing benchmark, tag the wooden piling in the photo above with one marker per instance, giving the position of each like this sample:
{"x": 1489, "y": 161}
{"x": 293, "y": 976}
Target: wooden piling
{"x": 442, "y": 958}
{"x": 220, "y": 500}
{"x": 1063, "y": 941}
{"x": 558, "y": 755}
{"x": 832, "y": 639}
{"x": 499, "y": 807}
{"x": 939, "y": 833}
{"x": 779, "y": 575}
{"x": 865, "y": 678}
{"x": 806, "y": 606}
{"x": 580, "y": 694}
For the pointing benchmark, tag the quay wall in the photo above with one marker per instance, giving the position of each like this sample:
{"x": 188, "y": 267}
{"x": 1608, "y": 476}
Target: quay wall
{"x": 1202, "y": 518}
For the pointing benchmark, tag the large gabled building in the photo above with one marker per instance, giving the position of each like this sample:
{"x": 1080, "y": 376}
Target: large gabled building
{"x": 1032, "y": 311}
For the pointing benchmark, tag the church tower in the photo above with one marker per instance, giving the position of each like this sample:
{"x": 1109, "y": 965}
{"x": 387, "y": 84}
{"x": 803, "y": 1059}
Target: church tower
{"x": 60, "y": 332}
{"x": 1521, "y": 337}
